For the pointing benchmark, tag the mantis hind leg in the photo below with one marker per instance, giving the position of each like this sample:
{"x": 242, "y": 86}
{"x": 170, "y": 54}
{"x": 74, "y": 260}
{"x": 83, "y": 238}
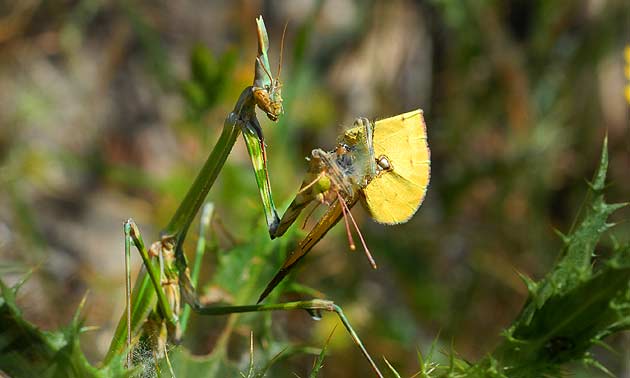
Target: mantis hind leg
{"x": 313, "y": 307}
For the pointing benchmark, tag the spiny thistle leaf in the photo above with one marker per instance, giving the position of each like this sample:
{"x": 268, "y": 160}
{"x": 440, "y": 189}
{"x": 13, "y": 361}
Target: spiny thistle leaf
{"x": 579, "y": 247}
{"x": 427, "y": 364}
{"x": 27, "y": 351}
{"x": 572, "y": 307}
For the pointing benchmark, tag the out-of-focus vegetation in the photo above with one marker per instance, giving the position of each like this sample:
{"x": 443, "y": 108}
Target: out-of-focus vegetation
{"x": 108, "y": 109}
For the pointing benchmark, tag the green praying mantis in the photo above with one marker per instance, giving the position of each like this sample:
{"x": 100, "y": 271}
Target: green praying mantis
{"x": 164, "y": 293}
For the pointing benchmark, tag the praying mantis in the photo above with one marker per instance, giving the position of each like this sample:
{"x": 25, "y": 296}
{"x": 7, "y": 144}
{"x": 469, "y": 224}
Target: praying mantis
{"x": 166, "y": 282}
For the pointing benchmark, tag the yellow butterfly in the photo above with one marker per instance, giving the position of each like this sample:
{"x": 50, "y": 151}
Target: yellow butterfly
{"x": 385, "y": 165}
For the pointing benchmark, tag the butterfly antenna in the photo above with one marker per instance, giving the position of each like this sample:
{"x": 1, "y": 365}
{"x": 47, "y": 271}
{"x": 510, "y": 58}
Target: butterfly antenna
{"x": 367, "y": 251}
{"x": 345, "y": 212}
{"x": 282, "y": 49}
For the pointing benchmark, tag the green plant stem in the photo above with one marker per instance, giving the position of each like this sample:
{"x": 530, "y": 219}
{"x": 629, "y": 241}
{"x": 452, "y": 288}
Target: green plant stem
{"x": 206, "y": 217}
{"x": 126, "y": 227}
{"x": 356, "y": 339}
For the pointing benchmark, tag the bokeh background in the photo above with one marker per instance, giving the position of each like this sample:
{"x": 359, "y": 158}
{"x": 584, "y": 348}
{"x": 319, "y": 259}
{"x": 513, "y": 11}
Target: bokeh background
{"x": 109, "y": 108}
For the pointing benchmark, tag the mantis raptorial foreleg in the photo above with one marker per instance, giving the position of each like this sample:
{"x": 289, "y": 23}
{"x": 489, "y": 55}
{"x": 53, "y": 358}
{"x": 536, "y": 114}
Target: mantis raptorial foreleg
{"x": 258, "y": 153}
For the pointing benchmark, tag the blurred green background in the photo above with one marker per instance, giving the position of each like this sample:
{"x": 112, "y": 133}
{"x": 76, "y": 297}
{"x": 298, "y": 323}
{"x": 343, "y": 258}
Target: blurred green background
{"x": 109, "y": 108}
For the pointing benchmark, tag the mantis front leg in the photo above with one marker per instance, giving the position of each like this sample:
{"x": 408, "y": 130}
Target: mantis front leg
{"x": 258, "y": 154}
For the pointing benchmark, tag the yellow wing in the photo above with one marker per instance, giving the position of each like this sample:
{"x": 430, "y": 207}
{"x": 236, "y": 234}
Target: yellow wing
{"x": 394, "y": 195}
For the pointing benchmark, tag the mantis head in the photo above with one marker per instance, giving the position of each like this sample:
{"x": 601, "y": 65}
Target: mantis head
{"x": 267, "y": 90}
{"x": 269, "y": 99}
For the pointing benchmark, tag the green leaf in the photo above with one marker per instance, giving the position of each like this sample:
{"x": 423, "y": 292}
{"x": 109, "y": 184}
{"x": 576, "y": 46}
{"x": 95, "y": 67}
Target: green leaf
{"x": 391, "y": 368}
{"x": 579, "y": 246}
{"x": 319, "y": 363}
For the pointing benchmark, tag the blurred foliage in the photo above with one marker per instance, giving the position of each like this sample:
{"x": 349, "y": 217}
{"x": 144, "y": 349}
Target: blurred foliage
{"x": 517, "y": 97}
{"x": 209, "y": 79}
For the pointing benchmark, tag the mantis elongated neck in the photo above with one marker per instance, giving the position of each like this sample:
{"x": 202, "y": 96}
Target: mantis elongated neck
{"x": 183, "y": 217}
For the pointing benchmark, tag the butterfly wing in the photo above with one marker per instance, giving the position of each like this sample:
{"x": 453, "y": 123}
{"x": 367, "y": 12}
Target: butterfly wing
{"x": 394, "y": 195}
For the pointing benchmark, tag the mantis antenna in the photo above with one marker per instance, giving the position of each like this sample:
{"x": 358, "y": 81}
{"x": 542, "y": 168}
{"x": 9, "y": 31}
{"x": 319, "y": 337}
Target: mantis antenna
{"x": 282, "y": 50}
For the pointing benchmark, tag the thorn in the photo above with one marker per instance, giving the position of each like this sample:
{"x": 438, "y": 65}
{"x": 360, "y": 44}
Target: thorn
{"x": 529, "y": 283}
{"x": 77, "y": 314}
{"x": 609, "y": 225}
{"x": 565, "y": 239}
{"x": 611, "y": 207}
{"x": 23, "y": 280}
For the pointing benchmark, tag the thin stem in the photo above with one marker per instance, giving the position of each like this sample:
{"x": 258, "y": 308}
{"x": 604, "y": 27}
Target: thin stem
{"x": 206, "y": 217}
{"x": 127, "y": 231}
{"x": 356, "y": 339}
{"x": 153, "y": 271}
{"x": 312, "y": 305}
